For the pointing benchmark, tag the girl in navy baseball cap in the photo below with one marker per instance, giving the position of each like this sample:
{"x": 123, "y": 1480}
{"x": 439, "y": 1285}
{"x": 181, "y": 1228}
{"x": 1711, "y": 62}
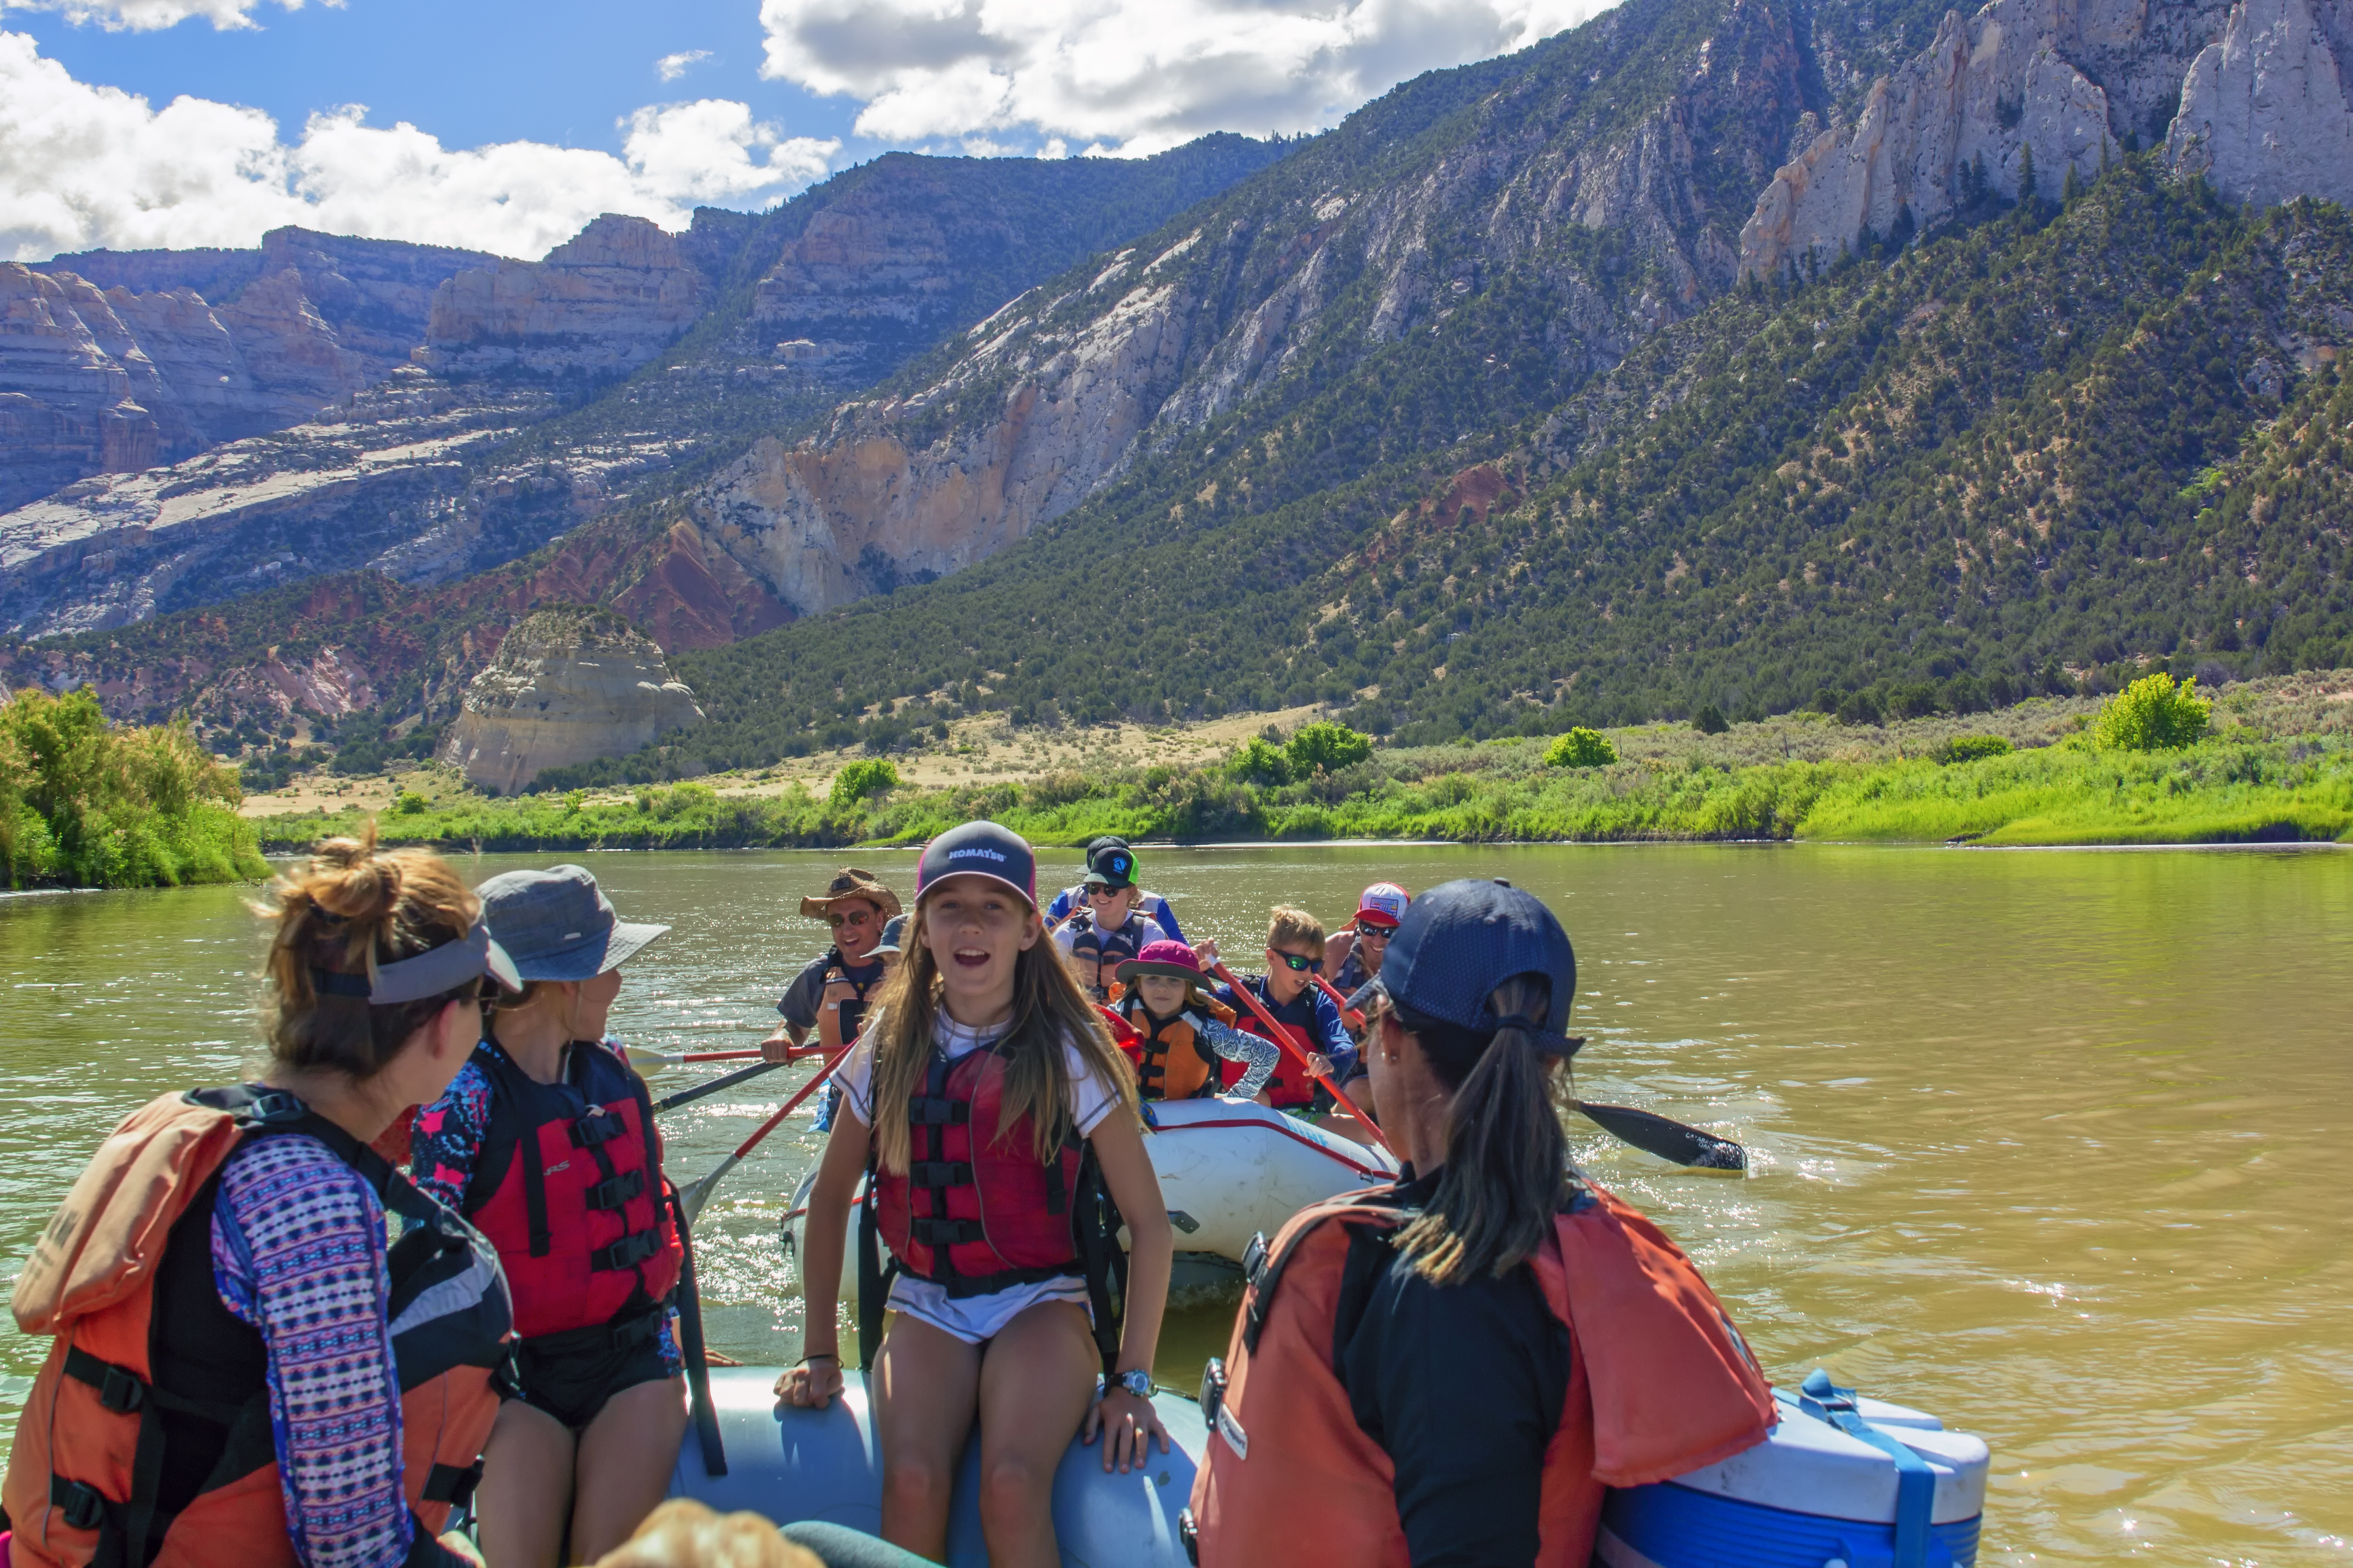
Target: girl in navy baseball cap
{"x": 990, "y": 1105}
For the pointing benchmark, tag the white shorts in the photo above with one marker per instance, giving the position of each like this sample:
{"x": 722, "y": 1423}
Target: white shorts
{"x": 977, "y": 1319}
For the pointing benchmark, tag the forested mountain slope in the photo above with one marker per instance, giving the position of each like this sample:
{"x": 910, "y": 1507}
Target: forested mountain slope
{"x": 2068, "y": 440}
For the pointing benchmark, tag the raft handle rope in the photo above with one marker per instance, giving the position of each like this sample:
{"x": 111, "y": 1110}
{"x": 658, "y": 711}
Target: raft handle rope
{"x": 1915, "y": 1480}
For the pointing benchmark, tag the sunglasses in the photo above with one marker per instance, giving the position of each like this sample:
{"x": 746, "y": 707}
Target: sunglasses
{"x": 864, "y": 917}
{"x": 1297, "y": 964}
{"x": 1378, "y": 933}
{"x": 1098, "y": 890}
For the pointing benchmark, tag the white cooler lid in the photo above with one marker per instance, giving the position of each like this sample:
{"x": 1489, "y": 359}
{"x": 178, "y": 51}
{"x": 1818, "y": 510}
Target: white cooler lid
{"x": 1808, "y": 1466}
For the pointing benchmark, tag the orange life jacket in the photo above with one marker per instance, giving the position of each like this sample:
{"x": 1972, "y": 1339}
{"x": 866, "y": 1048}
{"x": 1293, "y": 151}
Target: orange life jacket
{"x": 104, "y": 1416}
{"x": 1659, "y": 1383}
{"x": 1174, "y": 1062}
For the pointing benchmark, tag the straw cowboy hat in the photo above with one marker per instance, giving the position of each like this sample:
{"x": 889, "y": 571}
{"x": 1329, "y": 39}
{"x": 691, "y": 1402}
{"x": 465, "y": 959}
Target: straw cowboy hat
{"x": 849, "y": 882}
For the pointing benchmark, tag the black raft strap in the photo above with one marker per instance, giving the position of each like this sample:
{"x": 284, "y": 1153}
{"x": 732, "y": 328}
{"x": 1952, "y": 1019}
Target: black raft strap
{"x": 452, "y": 1484}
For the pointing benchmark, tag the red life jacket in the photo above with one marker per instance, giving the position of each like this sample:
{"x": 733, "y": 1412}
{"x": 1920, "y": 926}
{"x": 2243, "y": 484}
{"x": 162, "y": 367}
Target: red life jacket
{"x": 1174, "y": 1062}
{"x": 1096, "y": 954}
{"x": 148, "y": 1428}
{"x": 1660, "y": 1383}
{"x": 1289, "y": 1086}
{"x": 569, "y": 1187}
{"x": 991, "y": 1213}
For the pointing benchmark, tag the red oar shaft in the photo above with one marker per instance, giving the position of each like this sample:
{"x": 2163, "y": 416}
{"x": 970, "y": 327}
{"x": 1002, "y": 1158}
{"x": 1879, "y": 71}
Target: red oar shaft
{"x": 1299, "y": 1058}
{"x": 773, "y": 1122}
{"x": 1348, "y": 1015}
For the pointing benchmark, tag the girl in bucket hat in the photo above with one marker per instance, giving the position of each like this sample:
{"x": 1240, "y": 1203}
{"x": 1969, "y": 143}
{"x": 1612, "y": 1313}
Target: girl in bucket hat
{"x": 990, "y": 1105}
{"x": 1181, "y": 1032}
{"x": 546, "y": 1142}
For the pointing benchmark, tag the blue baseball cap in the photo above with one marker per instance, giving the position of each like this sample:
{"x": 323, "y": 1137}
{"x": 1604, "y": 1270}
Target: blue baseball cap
{"x": 1460, "y": 941}
{"x": 979, "y": 849}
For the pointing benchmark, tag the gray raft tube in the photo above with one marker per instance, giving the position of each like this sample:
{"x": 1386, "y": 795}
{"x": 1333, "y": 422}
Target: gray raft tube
{"x": 793, "y": 1465}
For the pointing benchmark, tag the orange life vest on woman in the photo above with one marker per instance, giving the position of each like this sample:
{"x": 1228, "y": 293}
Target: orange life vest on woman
{"x": 1097, "y": 953}
{"x": 103, "y": 1423}
{"x": 975, "y": 1213}
{"x": 1659, "y": 1383}
{"x": 1173, "y": 1061}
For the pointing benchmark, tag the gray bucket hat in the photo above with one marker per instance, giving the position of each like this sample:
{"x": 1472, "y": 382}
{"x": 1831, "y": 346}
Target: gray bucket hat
{"x": 557, "y": 924}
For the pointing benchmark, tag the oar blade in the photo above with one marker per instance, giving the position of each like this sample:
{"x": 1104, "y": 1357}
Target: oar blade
{"x": 695, "y": 1195}
{"x": 642, "y": 1058}
{"x": 1655, "y": 1134}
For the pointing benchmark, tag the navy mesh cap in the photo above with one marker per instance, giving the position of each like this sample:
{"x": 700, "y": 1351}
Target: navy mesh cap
{"x": 980, "y": 849}
{"x": 1459, "y": 940}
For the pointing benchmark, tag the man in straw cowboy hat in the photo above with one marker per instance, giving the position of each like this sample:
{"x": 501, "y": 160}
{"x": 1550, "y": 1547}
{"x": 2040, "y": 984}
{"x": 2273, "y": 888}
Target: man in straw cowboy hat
{"x": 830, "y": 995}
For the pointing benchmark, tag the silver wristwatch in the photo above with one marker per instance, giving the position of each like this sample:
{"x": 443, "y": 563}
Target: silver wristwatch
{"x": 1137, "y": 1381}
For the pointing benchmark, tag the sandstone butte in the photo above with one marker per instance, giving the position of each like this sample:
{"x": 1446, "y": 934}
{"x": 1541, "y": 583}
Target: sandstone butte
{"x": 566, "y": 686}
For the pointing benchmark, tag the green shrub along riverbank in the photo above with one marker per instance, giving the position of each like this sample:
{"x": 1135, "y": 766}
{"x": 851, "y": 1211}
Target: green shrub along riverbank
{"x": 2271, "y": 765}
{"x": 84, "y": 803}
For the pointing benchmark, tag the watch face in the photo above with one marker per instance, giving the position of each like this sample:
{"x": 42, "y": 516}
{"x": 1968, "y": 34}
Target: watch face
{"x": 1138, "y": 1383}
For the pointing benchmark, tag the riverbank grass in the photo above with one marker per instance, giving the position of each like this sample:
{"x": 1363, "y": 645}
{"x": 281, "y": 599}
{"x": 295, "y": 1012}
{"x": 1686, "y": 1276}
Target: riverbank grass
{"x": 2276, "y": 762}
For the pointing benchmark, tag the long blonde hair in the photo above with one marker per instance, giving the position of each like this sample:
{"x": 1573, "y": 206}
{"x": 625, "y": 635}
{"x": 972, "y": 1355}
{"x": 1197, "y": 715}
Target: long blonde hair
{"x": 1049, "y": 1009}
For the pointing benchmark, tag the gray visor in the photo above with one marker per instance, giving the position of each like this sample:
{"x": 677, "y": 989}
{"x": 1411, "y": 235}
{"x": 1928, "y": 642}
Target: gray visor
{"x": 444, "y": 968}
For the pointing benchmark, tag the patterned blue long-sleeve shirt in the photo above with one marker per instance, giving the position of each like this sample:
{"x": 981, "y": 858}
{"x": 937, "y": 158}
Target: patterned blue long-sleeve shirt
{"x": 299, "y": 1253}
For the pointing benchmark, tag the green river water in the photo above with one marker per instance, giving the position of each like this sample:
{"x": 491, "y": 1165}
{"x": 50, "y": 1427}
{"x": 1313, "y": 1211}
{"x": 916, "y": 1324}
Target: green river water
{"x": 2041, "y": 1141}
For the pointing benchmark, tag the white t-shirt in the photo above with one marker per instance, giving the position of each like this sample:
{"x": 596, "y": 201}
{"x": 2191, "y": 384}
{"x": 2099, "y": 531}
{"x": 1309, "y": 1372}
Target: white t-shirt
{"x": 975, "y": 1319}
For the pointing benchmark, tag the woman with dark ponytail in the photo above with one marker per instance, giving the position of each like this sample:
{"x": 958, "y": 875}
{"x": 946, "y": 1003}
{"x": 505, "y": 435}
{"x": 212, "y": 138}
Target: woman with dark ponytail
{"x": 1453, "y": 1370}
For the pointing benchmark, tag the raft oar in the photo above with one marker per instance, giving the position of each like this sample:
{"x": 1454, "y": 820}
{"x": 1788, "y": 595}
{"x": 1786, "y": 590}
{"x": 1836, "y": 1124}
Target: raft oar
{"x": 1299, "y": 1057}
{"x": 691, "y": 1199}
{"x": 1346, "y": 1012}
{"x": 1655, "y": 1134}
{"x": 1645, "y": 1129}
{"x": 642, "y": 1058}
{"x": 712, "y": 1086}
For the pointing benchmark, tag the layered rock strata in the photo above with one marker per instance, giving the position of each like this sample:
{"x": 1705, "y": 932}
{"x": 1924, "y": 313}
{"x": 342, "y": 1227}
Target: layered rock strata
{"x": 564, "y": 686}
{"x": 603, "y": 303}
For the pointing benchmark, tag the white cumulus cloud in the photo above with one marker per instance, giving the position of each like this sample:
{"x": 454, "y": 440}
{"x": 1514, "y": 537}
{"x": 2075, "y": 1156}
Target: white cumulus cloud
{"x": 672, "y": 66}
{"x": 83, "y": 166}
{"x": 1131, "y": 75}
{"x": 145, "y": 15}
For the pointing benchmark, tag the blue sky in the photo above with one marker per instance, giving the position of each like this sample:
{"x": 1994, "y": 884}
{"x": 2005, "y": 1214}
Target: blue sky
{"x": 470, "y": 72}
{"x": 147, "y": 123}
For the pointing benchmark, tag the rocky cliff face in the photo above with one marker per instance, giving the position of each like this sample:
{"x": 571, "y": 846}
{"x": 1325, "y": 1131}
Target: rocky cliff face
{"x": 603, "y": 303}
{"x": 2258, "y": 96}
{"x": 564, "y": 686}
{"x": 1627, "y": 129}
{"x": 130, "y": 364}
{"x": 2268, "y": 109}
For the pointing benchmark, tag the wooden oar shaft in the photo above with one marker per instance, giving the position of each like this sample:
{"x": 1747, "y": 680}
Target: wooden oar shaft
{"x": 1299, "y": 1058}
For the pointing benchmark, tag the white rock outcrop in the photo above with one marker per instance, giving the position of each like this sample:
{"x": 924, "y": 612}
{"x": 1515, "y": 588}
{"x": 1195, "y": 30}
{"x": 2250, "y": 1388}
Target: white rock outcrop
{"x": 2268, "y": 110}
{"x": 605, "y": 301}
{"x": 566, "y": 686}
{"x": 1987, "y": 91}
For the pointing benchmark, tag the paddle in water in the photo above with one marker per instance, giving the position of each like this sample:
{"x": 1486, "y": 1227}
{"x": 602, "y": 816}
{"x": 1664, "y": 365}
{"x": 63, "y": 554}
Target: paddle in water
{"x": 691, "y": 1199}
{"x": 1645, "y": 1129}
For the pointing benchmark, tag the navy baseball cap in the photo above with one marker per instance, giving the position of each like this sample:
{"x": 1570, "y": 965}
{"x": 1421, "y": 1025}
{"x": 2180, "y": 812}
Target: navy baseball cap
{"x": 1460, "y": 941}
{"x": 979, "y": 849}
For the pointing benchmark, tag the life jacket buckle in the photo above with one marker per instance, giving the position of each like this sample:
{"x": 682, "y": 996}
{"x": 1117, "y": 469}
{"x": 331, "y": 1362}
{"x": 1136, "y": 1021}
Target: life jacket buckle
{"x": 626, "y": 1253}
{"x": 1254, "y": 1258}
{"x": 82, "y": 1506}
{"x": 936, "y": 1173}
{"x": 616, "y": 1191}
{"x": 598, "y": 1126}
{"x": 1190, "y": 1534}
{"x": 121, "y": 1392}
{"x": 938, "y": 1110}
{"x": 934, "y": 1232}
{"x": 452, "y": 1484}
{"x": 1213, "y": 1390}
{"x": 272, "y": 1108}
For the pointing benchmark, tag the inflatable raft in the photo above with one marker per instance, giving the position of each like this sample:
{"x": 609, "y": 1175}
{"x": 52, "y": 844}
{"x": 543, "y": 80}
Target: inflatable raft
{"x": 1842, "y": 1481}
{"x": 1228, "y": 1170}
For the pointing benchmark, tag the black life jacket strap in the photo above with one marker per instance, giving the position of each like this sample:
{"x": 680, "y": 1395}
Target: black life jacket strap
{"x": 1263, "y": 1270}
{"x": 452, "y": 1484}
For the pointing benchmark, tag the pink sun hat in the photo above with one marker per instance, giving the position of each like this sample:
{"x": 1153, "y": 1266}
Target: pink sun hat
{"x": 1164, "y": 957}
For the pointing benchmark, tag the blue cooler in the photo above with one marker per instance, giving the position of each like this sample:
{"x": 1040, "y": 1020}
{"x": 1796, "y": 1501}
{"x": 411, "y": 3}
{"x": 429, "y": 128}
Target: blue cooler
{"x": 1843, "y": 1482}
